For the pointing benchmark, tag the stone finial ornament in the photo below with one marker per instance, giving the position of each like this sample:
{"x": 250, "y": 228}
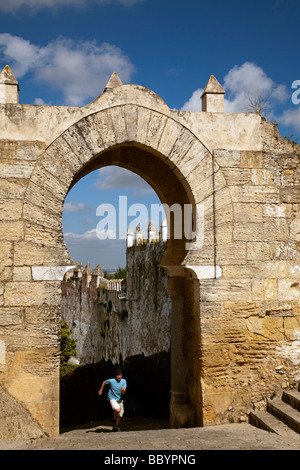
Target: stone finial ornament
{"x": 213, "y": 96}
{"x": 9, "y": 87}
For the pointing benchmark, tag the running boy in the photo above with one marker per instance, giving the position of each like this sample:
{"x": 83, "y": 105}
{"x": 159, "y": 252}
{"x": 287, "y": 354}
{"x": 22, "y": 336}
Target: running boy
{"x": 117, "y": 388}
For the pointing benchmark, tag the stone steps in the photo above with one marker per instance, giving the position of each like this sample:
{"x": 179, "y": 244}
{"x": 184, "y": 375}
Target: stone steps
{"x": 264, "y": 420}
{"x": 292, "y": 398}
{"x": 282, "y": 415}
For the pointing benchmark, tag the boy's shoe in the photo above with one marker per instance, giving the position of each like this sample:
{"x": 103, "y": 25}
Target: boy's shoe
{"x": 115, "y": 429}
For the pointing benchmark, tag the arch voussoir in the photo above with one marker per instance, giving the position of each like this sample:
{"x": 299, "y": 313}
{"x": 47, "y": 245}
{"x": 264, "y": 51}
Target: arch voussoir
{"x": 171, "y": 133}
{"x": 131, "y": 120}
{"x": 91, "y": 130}
{"x": 155, "y": 129}
{"x": 78, "y": 144}
{"x": 104, "y": 126}
{"x": 118, "y": 121}
{"x": 143, "y": 118}
{"x": 59, "y": 158}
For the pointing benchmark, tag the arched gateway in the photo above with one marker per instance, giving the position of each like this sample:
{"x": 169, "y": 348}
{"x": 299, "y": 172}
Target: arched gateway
{"x": 218, "y": 164}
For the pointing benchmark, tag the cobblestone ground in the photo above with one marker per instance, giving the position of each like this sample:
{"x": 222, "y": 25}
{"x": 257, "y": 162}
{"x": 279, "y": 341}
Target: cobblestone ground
{"x": 152, "y": 435}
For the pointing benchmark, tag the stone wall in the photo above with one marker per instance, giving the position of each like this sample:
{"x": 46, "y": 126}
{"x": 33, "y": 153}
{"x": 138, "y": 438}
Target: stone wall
{"x": 111, "y": 319}
{"x": 250, "y": 317}
{"x": 235, "y": 299}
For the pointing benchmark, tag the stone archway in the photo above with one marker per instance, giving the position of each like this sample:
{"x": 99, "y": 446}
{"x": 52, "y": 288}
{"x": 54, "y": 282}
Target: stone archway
{"x": 238, "y": 288}
{"x": 179, "y": 168}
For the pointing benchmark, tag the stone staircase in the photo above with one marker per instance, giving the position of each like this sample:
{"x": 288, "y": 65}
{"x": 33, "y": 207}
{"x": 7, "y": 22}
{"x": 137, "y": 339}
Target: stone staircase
{"x": 282, "y": 415}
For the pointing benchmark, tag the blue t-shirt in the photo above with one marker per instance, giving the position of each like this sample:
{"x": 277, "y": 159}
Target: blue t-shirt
{"x": 115, "y": 388}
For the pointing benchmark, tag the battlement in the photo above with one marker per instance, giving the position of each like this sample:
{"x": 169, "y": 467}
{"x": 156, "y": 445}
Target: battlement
{"x": 154, "y": 235}
{"x": 113, "y": 317}
{"x": 95, "y": 278}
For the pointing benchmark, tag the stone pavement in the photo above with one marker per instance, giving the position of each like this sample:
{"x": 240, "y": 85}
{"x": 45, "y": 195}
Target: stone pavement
{"x": 152, "y": 435}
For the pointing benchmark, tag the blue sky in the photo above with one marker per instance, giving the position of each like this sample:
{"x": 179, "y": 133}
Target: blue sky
{"x": 64, "y": 51}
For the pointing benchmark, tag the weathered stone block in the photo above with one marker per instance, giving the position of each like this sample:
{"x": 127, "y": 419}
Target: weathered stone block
{"x": 27, "y": 253}
{"x": 31, "y": 293}
{"x": 170, "y": 134}
{"x": 47, "y": 415}
{"x": 274, "y": 229}
{"x": 241, "y": 309}
{"x": 22, "y": 273}
{"x": 247, "y": 212}
{"x": 12, "y": 189}
{"x": 11, "y": 209}
{"x": 224, "y": 234}
{"x": 266, "y": 329}
{"x": 263, "y": 194}
{"x": 251, "y": 159}
{"x": 231, "y": 253}
{"x": 264, "y": 289}
{"x": 262, "y": 177}
{"x": 11, "y": 230}
{"x": 16, "y": 169}
{"x": 5, "y": 273}
{"x": 130, "y": 121}
{"x": 228, "y": 158}
{"x": 281, "y": 210}
{"x": 237, "y": 176}
{"x": 224, "y": 215}
{"x": 10, "y": 316}
{"x": 290, "y": 195}
{"x": 50, "y": 388}
{"x": 27, "y": 389}
{"x": 295, "y": 230}
{"x": 6, "y": 255}
{"x": 289, "y": 289}
{"x": 222, "y": 290}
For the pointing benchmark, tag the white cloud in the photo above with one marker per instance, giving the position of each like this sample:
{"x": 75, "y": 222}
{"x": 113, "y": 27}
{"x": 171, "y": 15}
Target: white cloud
{"x": 79, "y": 69}
{"x": 247, "y": 77}
{"x": 39, "y": 101}
{"x": 114, "y": 177}
{"x": 12, "y": 6}
{"x": 89, "y": 235}
{"x": 80, "y": 207}
{"x": 291, "y": 117}
{"x": 88, "y": 221}
{"x": 93, "y": 236}
{"x": 250, "y": 79}
{"x": 22, "y": 53}
{"x": 109, "y": 252}
{"x": 194, "y": 103}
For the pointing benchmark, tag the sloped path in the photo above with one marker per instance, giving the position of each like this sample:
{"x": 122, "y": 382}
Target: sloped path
{"x": 147, "y": 434}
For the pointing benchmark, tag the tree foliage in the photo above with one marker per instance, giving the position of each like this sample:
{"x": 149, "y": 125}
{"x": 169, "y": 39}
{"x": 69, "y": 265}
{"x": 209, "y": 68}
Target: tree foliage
{"x": 120, "y": 273}
{"x": 67, "y": 349}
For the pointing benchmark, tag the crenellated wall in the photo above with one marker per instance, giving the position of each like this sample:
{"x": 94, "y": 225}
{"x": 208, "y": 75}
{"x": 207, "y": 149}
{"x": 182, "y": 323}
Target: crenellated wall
{"x": 113, "y": 318}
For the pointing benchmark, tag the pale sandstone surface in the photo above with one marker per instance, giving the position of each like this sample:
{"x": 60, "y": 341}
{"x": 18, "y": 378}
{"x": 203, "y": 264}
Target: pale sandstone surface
{"x": 234, "y": 291}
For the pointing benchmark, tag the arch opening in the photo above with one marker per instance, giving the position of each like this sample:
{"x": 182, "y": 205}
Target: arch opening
{"x": 166, "y": 181}
{"x": 130, "y": 303}
{"x": 179, "y": 168}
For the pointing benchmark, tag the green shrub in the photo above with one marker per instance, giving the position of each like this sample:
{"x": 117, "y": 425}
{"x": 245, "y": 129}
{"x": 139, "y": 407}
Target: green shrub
{"x": 67, "y": 349}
